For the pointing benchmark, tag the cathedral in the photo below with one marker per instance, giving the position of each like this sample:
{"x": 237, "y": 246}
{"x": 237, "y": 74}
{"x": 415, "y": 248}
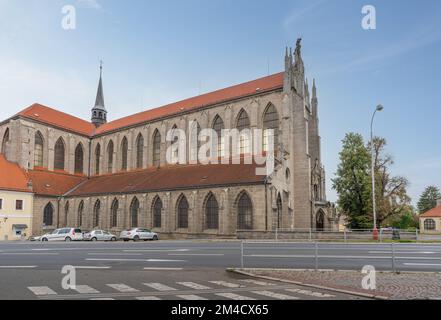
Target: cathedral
{"x": 115, "y": 175}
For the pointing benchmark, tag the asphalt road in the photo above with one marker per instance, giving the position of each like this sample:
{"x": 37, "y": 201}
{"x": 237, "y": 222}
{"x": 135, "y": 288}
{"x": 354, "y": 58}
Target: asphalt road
{"x": 176, "y": 269}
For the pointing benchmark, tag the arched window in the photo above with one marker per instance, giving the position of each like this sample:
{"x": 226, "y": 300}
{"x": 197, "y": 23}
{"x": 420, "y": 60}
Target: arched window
{"x": 96, "y": 214}
{"x": 218, "y": 126}
{"x": 114, "y": 214}
{"x": 59, "y": 155}
{"x": 97, "y": 159}
{"x": 66, "y": 214}
{"x": 79, "y": 159}
{"x": 243, "y": 123}
{"x": 320, "y": 221}
{"x": 110, "y": 151}
{"x": 139, "y": 151}
{"x": 175, "y": 146}
{"x": 270, "y": 122}
{"x": 279, "y": 211}
{"x": 134, "y": 211}
{"x": 429, "y": 225}
{"x": 157, "y": 213}
{"x": 195, "y": 144}
{"x": 38, "y": 150}
{"x": 80, "y": 214}
{"x": 48, "y": 215}
{"x": 211, "y": 213}
{"x": 156, "y": 149}
{"x": 183, "y": 213}
{"x": 5, "y": 142}
{"x": 244, "y": 213}
{"x": 124, "y": 151}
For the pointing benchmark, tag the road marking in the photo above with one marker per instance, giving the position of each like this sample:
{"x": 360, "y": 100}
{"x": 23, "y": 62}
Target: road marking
{"x": 423, "y": 264}
{"x": 113, "y": 254}
{"x": 122, "y": 288}
{"x": 234, "y": 296}
{"x": 18, "y": 267}
{"x": 198, "y": 254}
{"x": 278, "y": 296}
{"x": 193, "y": 285}
{"x": 404, "y": 252}
{"x": 259, "y": 283}
{"x": 227, "y": 284}
{"x": 159, "y": 287}
{"x": 91, "y": 267}
{"x": 156, "y": 250}
{"x": 28, "y": 254}
{"x": 135, "y": 260}
{"x": 311, "y": 293}
{"x": 191, "y": 297}
{"x": 148, "y": 298}
{"x": 83, "y": 289}
{"x": 42, "y": 291}
{"x": 163, "y": 269}
{"x": 102, "y": 299}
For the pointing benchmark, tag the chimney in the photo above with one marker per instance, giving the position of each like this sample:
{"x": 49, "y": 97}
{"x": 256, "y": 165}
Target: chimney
{"x": 438, "y": 202}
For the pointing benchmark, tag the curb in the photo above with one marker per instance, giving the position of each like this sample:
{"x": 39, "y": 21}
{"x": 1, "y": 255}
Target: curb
{"x": 360, "y": 294}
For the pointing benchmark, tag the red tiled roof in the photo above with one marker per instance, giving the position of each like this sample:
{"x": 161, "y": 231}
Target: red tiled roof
{"x": 434, "y": 213}
{"x": 59, "y": 119}
{"x": 168, "y": 178}
{"x": 48, "y": 183}
{"x": 12, "y": 177}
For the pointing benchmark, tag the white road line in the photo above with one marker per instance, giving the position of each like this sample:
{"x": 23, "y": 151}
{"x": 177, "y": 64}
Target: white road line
{"x": 113, "y": 254}
{"x": 163, "y": 269}
{"x": 27, "y": 254}
{"x": 122, "y": 288}
{"x": 18, "y": 267}
{"x": 135, "y": 260}
{"x": 259, "y": 283}
{"x": 148, "y": 298}
{"x": 83, "y": 289}
{"x": 156, "y": 250}
{"x": 102, "y": 299}
{"x": 423, "y": 264}
{"x": 198, "y": 254}
{"x": 227, "y": 284}
{"x": 191, "y": 297}
{"x": 91, "y": 268}
{"x": 42, "y": 291}
{"x": 193, "y": 285}
{"x": 404, "y": 252}
{"x": 159, "y": 287}
{"x": 234, "y": 296}
{"x": 278, "y": 296}
{"x": 311, "y": 293}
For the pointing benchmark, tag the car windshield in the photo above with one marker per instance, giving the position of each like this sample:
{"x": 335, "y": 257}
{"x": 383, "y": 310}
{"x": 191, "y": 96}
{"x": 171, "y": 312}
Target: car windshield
{"x": 54, "y": 232}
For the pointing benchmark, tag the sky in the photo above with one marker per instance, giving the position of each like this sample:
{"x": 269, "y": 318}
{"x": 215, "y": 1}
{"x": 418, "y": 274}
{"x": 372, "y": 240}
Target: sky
{"x": 160, "y": 51}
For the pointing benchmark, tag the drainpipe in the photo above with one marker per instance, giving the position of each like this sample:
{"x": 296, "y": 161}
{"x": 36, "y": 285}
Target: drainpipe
{"x": 58, "y": 212}
{"x": 266, "y": 204}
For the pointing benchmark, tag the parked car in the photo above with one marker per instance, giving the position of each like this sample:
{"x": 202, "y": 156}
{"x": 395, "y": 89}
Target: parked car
{"x": 138, "y": 234}
{"x": 64, "y": 234}
{"x": 99, "y": 235}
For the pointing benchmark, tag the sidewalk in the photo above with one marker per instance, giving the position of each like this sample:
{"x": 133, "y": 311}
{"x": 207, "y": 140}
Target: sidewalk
{"x": 403, "y": 286}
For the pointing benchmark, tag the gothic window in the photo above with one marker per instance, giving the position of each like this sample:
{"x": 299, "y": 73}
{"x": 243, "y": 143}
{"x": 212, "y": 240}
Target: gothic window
{"x": 195, "y": 143}
{"x": 139, "y": 151}
{"x": 59, "y": 155}
{"x": 183, "y": 213}
{"x": 48, "y": 215}
{"x": 243, "y": 123}
{"x": 218, "y": 127}
{"x": 270, "y": 122}
{"x": 66, "y": 214}
{"x": 5, "y": 142}
{"x": 429, "y": 225}
{"x": 38, "y": 150}
{"x": 110, "y": 150}
{"x": 320, "y": 223}
{"x": 156, "y": 149}
{"x": 124, "y": 150}
{"x": 96, "y": 214}
{"x": 244, "y": 213}
{"x": 79, "y": 158}
{"x": 175, "y": 146}
{"x": 80, "y": 214}
{"x": 157, "y": 213}
{"x": 134, "y": 211}
{"x": 97, "y": 159}
{"x": 114, "y": 214}
{"x": 279, "y": 212}
{"x": 211, "y": 213}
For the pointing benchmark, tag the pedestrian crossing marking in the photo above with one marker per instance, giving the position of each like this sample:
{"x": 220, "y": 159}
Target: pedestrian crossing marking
{"x": 311, "y": 293}
{"x": 148, "y": 298}
{"x": 193, "y": 285}
{"x": 259, "y": 283}
{"x": 102, "y": 299}
{"x": 122, "y": 288}
{"x": 234, "y": 296}
{"x": 42, "y": 291}
{"x": 191, "y": 297}
{"x": 278, "y": 296}
{"x": 227, "y": 284}
{"x": 159, "y": 287}
{"x": 83, "y": 289}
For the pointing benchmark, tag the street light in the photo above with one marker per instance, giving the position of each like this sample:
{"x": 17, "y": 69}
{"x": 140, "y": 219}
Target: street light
{"x": 374, "y": 204}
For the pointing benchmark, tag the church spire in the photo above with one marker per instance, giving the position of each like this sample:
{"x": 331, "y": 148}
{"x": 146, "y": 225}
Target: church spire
{"x": 99, "y": 112}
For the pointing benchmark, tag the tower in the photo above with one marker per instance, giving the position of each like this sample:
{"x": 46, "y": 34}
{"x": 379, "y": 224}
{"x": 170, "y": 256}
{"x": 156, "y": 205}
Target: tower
{"x": 99, "y": 112}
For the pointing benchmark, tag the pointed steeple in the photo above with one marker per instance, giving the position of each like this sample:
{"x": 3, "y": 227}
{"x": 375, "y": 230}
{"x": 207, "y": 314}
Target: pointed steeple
{"x": 99, "y": 112}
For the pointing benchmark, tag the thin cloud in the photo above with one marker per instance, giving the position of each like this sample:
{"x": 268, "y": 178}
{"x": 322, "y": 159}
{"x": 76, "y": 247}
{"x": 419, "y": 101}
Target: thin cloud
{"x": 299, "y": 13}
{"x": 94, "y": 4}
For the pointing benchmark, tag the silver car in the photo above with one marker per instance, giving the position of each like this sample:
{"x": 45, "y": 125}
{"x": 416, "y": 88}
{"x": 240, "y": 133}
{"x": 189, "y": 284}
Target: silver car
{"x": 99, "y": 235}
{"x": 138, "y": 234}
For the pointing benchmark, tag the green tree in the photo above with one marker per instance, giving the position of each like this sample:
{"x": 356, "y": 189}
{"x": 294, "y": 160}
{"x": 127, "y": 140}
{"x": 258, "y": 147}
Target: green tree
{"x": 428, "y": 199}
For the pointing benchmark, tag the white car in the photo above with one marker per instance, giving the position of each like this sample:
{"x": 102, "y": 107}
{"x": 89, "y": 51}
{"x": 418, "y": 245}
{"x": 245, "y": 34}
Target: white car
{"x": 99, "y": 235}
{"x": 64, "y": 234}
{"x": 138, "y": 234}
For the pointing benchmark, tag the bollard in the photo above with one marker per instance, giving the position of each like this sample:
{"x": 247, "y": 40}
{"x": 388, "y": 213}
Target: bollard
{"x": 346, "y": 236}
{"x": 310, "y": 234}
{"x": 393, "y": 258}
{"x": 277, "y": 234}
{"x": 241, "y": 255}
{"x": 316, "y": 256}
{"x": 417, "y": 235}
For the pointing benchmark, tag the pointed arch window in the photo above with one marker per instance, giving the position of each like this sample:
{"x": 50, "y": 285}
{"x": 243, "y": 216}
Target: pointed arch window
{"x": 59, "y": 155}
{"x": 195, "y": 144}
{"x": 125, "y": 151}
{"x": 243, "y": 125}
{"x": 139, "y": 151}
{"x": 97, "y": 159}
{"x": 218, "y": 127}
{"x": 110, "y": 151}
{"x": 156, "y": 149}
{"x": 175, "y": 145}
{"x": 66, "y": 214}
{"x": 211, "y": 213}
{"x": 48, "y": 215}
{"x": 157, "y": 213}
{"x": 244, "y": 213}
{"x": 270, "y": 122}
{"x": 96, "y": 214}
{"x": 114, "y": 214}
{"x": 183, "y": 213}
{"x": 79, "y": 159}
{"x": 134, "y": 213}
{"x": 38, "y": 150}
{"x": 279, "y": 212}
{"x": 5, "y": 142}
{"x": 80, "y": 214}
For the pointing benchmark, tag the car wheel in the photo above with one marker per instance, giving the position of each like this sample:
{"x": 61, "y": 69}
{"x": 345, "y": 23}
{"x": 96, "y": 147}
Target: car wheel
{"x": 44, "y": 240}
{"x": 68, "y": 239}
{"x": 113, "y": 239}
{"x": 155, "y": 238}
{"x": 94, "y": 239}
{"x": 136, "y": 239}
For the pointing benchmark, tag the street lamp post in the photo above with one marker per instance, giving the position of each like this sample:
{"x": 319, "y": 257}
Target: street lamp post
{"x": 374, "y": 202}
